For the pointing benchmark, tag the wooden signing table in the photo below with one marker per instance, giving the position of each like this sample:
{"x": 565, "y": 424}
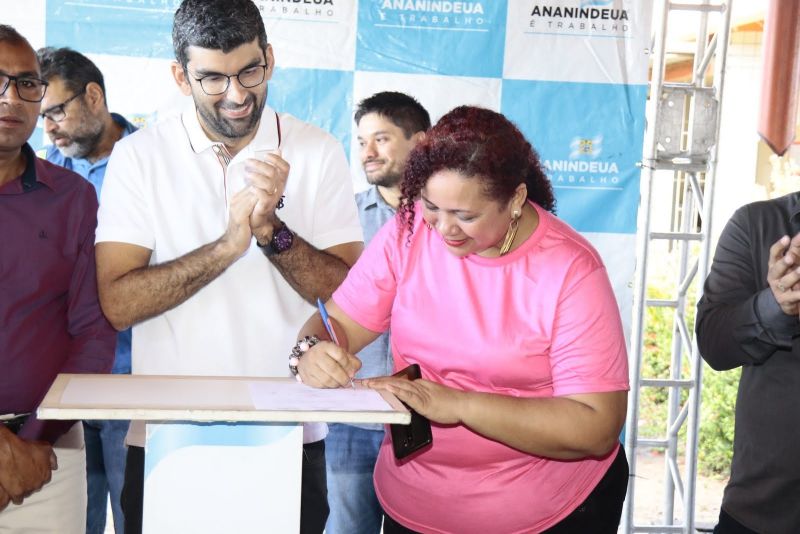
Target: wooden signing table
{"x": 223, "y": 454}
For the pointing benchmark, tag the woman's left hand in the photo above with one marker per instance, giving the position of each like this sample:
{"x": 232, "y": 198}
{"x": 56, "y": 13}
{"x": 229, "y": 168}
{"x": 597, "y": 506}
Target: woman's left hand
{"x": 440, "y": 404}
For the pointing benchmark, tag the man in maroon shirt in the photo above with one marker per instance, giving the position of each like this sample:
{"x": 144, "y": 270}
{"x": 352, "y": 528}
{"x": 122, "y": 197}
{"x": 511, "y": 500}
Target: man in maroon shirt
{"x": 50, "y": 319}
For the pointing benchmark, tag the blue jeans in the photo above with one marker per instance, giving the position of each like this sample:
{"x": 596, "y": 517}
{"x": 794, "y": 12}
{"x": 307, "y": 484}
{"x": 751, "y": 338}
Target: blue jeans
{"x": 105, "y": 472}
{"x": 351, "y": 453}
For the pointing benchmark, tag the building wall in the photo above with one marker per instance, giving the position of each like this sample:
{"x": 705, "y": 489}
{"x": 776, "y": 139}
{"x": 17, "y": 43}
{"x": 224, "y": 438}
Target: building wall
{"x": 737, "y": 179}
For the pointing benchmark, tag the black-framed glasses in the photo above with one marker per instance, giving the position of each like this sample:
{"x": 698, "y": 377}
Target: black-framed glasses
{"x": 216, "y": 84}
{"x": 58, "y": 112}
{"x": 29, "y": 89}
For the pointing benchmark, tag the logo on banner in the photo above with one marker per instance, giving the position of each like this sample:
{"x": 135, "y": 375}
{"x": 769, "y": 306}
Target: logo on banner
{"x": 441, "y": 37}
{"x": 586, "y": 147}
{"x": 582, "y": 169}
{"x": 434, "y": 14}
{"x": 583, "y": 18}
{"x": 299, "y": 9}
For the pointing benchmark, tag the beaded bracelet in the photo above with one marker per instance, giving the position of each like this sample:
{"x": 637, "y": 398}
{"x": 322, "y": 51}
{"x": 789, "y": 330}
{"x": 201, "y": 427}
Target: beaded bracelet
{"x": 299, "y": 349}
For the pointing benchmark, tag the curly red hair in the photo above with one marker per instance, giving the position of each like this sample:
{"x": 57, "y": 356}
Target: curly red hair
{"x": 479, "y": 143}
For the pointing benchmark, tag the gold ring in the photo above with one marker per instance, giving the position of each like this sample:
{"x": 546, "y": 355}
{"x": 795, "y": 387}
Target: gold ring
{"x": 780, "y": 286}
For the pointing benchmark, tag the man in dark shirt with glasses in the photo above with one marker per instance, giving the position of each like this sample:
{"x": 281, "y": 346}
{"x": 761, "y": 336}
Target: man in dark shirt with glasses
{"x": 50, "y": 319}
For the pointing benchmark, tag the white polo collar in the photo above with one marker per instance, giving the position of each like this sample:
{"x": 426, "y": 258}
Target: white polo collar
{"x": 266, "y": 136}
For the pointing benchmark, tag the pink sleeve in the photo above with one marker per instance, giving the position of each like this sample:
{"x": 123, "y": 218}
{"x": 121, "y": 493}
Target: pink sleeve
{"x": 588, "y": 352}
{"x": 368, "y": 292}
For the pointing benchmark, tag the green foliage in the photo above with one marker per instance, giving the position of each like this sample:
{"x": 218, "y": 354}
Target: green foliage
{"x": 715, "y": 440}
{"x": 715, "y": 448}
{"x": 655, "y": 364}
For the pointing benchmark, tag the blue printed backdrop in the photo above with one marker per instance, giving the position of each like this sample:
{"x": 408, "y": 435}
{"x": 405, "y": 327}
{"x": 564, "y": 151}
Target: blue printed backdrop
{"x": 571, "y": 73}
{"x": 589, "y": 138}
{"x": 117, "y": 27}
{"x": 306, "y": 92}
{"x": 451, "y": 38}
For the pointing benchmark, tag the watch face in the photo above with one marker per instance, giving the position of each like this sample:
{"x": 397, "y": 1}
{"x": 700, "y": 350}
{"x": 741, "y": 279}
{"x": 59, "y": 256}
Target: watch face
{"x": 282, "y": 239}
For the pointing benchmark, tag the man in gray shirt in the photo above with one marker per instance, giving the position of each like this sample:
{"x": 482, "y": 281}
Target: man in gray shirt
{"x": 389, "y": 124}
{"x": 748, "y": 317}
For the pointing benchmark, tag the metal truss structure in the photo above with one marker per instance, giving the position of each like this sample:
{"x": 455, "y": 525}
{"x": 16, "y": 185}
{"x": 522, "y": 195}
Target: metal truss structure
{"x": 681, "y": 146}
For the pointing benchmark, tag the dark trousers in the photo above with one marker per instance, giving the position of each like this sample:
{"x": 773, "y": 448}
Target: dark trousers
{"x": 728, "y": 525}
{"x": 313, "y": 500}
{"x": 598, "y": 514}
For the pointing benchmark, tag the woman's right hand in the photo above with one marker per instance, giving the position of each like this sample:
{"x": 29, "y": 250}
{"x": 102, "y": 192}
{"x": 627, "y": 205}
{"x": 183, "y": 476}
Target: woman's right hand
{"x": 327, "y": 365}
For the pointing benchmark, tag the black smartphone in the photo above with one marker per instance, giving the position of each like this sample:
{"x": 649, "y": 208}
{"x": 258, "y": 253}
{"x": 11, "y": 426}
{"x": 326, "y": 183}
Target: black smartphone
{"x": 407, "y": 439}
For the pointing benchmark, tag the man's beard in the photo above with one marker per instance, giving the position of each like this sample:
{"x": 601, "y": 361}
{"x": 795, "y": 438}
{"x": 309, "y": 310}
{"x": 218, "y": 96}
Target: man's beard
{"x": 83, "y": 141}
{"x": 385, "y": 179}
{"x": 232, "y": 129}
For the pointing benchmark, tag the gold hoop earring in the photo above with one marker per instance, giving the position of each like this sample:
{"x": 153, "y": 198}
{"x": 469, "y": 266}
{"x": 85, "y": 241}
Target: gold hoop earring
{"x": 511, "y": 233}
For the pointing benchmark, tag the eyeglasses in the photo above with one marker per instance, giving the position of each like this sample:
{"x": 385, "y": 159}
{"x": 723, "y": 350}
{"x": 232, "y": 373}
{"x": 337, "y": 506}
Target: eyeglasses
{"x": 58, "y": 113}
{"x": 216, "y": 84}
{"x": 29, "y": 89}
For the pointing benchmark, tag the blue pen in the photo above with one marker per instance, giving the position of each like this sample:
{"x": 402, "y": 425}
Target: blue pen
{"x": 326, "y": 320}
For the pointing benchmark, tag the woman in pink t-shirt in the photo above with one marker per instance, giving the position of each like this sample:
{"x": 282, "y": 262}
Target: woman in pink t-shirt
{"x": 510, "y": 315}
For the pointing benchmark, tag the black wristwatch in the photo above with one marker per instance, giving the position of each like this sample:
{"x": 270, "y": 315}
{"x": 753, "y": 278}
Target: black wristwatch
{"x": 282, "y": 240}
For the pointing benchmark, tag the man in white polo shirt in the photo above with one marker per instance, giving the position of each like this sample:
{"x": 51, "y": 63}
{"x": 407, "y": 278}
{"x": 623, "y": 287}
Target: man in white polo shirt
{"x": 219, "y": 227}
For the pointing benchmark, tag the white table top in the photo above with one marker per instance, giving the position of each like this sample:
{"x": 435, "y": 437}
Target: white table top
{"x": 207, "y": 398}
